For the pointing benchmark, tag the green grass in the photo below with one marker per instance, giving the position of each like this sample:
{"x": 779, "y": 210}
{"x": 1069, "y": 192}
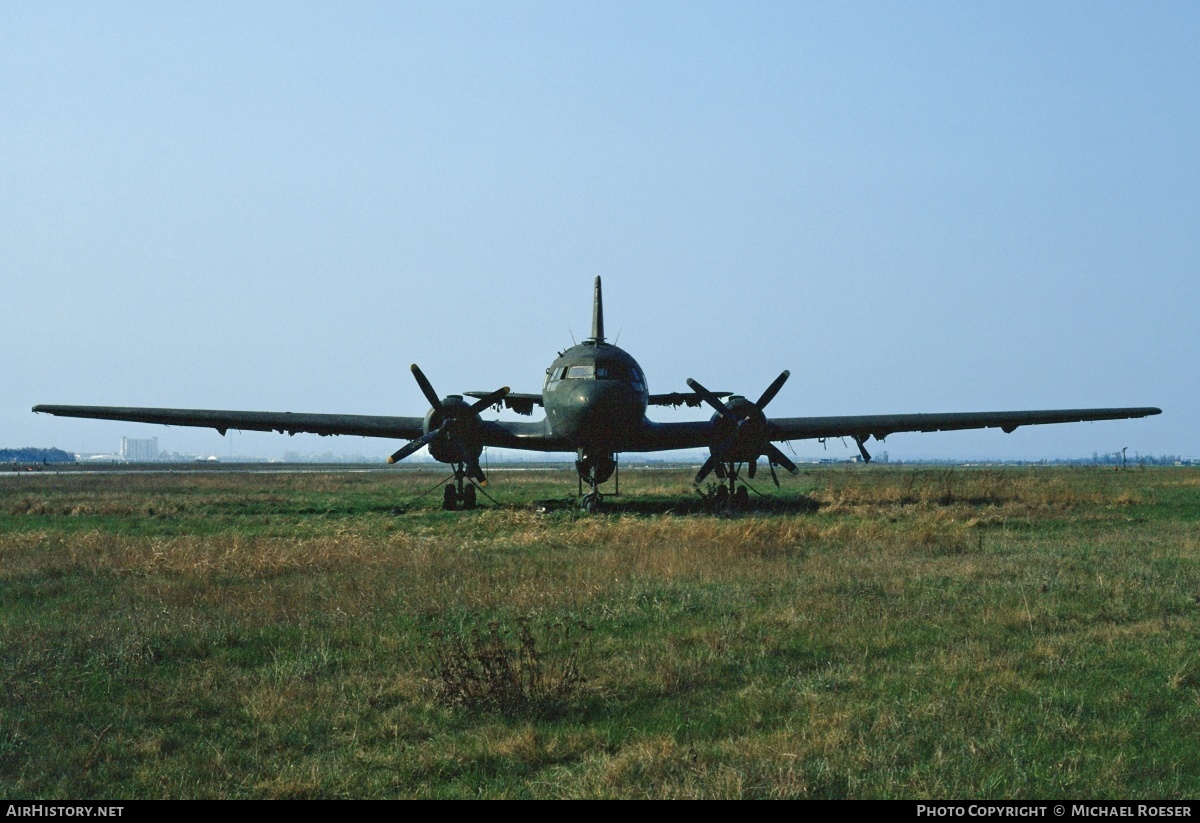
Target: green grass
{"x": 875, "y": 632}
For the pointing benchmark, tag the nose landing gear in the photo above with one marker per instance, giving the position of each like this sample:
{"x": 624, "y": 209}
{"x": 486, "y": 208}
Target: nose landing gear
{"x": 591, "y": 502}
{"x": 595, "y": 469}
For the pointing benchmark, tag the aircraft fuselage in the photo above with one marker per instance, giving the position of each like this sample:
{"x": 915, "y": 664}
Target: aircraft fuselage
{"x": 595, "y": 396}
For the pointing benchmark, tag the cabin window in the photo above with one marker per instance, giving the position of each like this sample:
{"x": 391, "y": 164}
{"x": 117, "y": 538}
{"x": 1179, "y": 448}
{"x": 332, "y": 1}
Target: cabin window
{"x": 581, "y": 372}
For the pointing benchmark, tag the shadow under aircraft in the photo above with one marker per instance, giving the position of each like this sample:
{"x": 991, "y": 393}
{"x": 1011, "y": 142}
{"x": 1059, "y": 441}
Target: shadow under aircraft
{"x": 595, "y": 398}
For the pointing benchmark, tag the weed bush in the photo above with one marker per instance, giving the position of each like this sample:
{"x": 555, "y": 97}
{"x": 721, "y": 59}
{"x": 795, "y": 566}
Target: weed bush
{"x": 510, "y": 670}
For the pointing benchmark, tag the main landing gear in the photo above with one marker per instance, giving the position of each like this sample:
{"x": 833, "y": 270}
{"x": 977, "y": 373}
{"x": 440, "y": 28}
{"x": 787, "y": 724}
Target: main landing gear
{"x": 461, "y": 491}
{"x": 729, "y": 495}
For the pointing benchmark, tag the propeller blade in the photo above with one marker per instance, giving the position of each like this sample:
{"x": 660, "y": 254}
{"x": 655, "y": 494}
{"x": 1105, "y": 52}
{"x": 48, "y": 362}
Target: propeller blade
{"x": 711, "y": 399}
{"x": 474, "y": 470}
{"x": 413, "y": 446}
{"x": 781, "y": 459}
{"x": 773, "y": 389}
{"x": 771, "y": 466}
{"x": 427, "y": 388}
{"x": 491, "y": 400}
{"x": 706, "y": 469}
{"x": 752, "y": 468}
{"x": 862, "y": 449}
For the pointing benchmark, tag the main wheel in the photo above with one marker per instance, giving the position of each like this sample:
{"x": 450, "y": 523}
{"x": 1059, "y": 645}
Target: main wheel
{"x": 741, "y": 498}
{"x": 449, "y": 498}
{"x": 469, "y": 499}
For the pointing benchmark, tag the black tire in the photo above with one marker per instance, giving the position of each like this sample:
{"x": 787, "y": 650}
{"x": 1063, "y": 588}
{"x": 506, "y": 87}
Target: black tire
{"x": 741, "y": 498}
{"x": 469, "y": 499}
{"x": 449, "y": 499}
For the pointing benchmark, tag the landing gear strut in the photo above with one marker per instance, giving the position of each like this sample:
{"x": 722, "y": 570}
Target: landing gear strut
{"x": 595, "y": 468}
{"x": 462, "y": 491}
{"x": 593, "y": 500}
{"x": 729, "y": 494}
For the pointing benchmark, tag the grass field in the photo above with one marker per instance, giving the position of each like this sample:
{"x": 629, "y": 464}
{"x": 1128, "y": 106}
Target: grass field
{"x": 874, "y": 632}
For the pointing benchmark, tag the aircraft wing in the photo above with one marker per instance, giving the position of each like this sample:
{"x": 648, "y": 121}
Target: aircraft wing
{"x": 323, "y": 424}
{"x": 880, "y": 426}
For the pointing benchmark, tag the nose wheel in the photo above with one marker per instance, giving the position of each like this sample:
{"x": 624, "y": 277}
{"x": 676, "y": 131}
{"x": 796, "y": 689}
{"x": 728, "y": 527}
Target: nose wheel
{"x": 591, "y": 502}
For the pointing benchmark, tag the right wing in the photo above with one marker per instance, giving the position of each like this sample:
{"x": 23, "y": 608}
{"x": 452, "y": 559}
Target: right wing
{"x": 699, "y": 434}
{"x": 406, "y": 428}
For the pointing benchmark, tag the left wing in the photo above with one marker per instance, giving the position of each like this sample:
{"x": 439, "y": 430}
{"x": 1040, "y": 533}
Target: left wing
{"x": 699, "y": 434}
{"x": 880, "y": 426}
{"x": 323, "y": 424}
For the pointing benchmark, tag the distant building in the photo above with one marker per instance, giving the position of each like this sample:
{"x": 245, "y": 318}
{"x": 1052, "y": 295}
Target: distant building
{"x": 139, "y": 451}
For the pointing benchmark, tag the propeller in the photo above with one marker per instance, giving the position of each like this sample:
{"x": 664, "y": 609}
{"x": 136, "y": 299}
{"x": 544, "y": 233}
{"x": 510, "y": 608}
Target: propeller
{"x": 455, "y": 421}
{"x": 748, "y": 436}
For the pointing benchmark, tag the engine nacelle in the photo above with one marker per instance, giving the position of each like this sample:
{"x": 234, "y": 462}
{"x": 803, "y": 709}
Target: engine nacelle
{"x": 463, "y": 433}
{"x": 743, "y": 440}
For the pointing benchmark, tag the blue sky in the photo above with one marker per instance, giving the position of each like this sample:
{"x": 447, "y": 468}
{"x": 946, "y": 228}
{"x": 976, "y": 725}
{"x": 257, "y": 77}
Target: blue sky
{"x": 913, "y": 207}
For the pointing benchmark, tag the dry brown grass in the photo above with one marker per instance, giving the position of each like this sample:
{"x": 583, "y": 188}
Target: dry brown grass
{"x": 264, "y": 637}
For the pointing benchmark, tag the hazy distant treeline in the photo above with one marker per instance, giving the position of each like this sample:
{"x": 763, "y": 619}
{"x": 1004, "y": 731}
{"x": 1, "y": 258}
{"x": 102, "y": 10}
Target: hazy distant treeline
{"x": 32, "y": 455}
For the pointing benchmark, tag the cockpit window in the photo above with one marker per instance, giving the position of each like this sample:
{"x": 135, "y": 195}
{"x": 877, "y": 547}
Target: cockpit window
{"x": 612, "y": 371}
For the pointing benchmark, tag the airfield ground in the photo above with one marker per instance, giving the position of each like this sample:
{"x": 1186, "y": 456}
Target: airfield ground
{"x": 876, "y": 632}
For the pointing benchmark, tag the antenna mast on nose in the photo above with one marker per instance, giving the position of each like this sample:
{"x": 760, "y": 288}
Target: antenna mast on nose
{"x": 598, "y": 314}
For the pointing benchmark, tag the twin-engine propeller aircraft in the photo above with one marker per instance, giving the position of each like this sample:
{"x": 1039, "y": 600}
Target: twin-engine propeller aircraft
{"x": 595, "y": 397}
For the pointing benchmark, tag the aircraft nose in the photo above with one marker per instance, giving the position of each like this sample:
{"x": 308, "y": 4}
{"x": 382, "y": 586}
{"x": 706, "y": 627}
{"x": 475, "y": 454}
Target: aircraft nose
{"x": 600, "y": 411}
